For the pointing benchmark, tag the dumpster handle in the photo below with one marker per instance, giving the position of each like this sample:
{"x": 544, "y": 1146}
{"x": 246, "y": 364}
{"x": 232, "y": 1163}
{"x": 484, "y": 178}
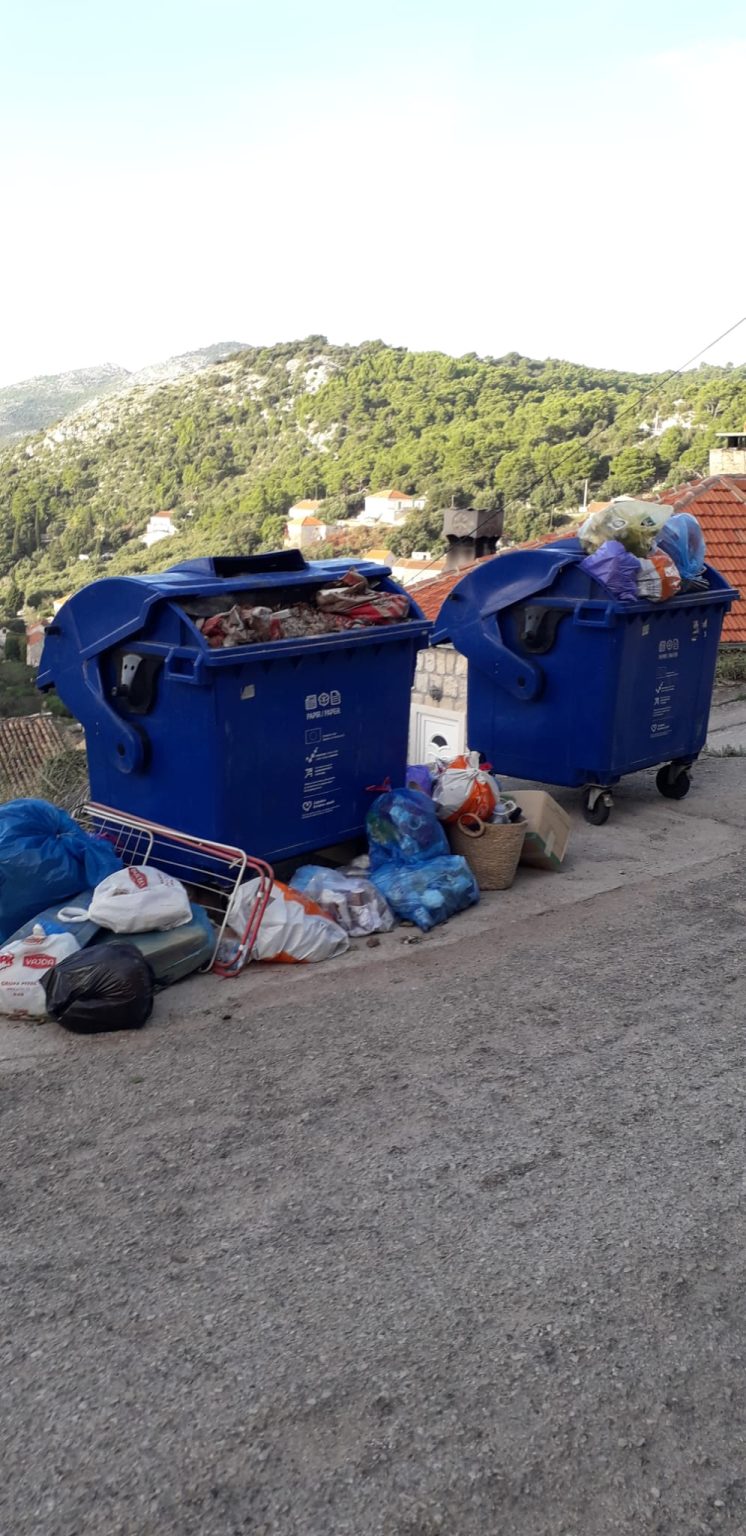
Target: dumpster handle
{"x": 595, "y": 615}
{"x": 127, "y": 743}
{"x": 518, "y": 675}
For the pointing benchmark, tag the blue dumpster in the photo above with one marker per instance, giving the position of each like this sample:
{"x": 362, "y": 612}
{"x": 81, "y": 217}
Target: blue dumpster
{"x": 272, "y": 746}
{"x": 568, "y": 685}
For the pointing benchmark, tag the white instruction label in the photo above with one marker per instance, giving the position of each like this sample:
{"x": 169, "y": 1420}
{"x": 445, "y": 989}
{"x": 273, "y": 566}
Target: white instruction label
{"x": 666, "y": 682}
{"x": 321, "y": 791}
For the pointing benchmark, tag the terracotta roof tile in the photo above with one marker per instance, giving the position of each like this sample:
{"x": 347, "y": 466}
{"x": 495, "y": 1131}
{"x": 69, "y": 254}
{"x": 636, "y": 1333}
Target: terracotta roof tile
{"x": 26, "y": 742}
{"x": 719, "y": 504}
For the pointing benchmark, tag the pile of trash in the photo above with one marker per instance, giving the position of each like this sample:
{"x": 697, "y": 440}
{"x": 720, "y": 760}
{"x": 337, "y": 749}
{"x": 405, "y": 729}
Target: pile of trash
{"x": 89, "y": 940}
{"x": 411, "y": 864}
{"x": 95, "y": 964}
{"x": 640, "y": 551}
{"x": 350, "y": 603}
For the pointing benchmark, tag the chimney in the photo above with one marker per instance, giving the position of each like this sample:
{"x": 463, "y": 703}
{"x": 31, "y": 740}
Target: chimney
{"x": 729, "y": 458}
{"x": 471, "y": 534}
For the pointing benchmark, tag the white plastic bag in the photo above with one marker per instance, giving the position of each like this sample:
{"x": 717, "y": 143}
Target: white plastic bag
{"x": 135, "y": 900}
{"x": 24, "y": 964}
{"x": 347, "y": 898}
{"x": 293, "y": 929}
{"x": 629, "y": 521}
{"x": 465, "y": 788}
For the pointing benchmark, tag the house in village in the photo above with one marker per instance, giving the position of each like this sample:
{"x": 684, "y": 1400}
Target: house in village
{"x": 34, "y": 643}
{"x": 304, "y": 528}
{"x": 389, "y": 508}
{"x": 160, "y": 526}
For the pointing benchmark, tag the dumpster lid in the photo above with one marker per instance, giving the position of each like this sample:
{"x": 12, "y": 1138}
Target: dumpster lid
{"x": 109, "y": 611}
{"x": 509, "y": 578}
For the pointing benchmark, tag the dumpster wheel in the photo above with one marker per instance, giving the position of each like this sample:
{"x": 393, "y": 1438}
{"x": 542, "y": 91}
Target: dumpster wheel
{"x": 674, "y": 781}
{"x": 597, "y": 805}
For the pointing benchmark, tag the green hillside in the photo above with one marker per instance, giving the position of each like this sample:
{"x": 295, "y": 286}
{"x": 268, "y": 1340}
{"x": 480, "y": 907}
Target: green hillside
{"x": 228, "y": 450}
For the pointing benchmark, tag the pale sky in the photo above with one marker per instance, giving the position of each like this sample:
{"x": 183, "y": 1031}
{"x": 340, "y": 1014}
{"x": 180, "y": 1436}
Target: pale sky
{"x": 556, "y": 179}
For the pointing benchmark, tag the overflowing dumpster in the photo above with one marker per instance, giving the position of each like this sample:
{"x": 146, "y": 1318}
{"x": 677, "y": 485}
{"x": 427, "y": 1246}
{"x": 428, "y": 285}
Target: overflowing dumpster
{"x": 569, "y": 685}
{"x": 252, "y": 700}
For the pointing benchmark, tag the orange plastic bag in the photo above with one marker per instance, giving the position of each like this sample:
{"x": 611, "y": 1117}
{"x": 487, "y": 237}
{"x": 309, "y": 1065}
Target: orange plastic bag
{"x": 465, "y": 788}
{"x": 659, "y": 578}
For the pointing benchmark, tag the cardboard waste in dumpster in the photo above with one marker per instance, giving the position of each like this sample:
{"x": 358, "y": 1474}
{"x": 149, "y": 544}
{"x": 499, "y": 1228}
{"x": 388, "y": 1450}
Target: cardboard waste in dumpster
{"x": 547, "y": 829}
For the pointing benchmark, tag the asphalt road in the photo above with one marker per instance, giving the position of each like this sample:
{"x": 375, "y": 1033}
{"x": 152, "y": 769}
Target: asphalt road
{"x": 449, "y": 1241}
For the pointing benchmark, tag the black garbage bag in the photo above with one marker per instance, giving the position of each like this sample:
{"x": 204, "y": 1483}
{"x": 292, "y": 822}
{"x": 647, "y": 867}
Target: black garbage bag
{"x": 107, "y": 987}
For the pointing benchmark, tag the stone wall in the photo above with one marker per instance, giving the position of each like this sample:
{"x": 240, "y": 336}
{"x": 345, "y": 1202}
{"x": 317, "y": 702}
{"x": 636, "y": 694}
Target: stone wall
{"x": 440, "y": 679}
{"x": 728, "y": 461}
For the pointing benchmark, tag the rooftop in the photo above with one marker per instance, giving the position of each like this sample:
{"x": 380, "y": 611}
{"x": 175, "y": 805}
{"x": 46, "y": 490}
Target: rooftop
{"x": 719, "y": 504}
{"x": 381, "y": 556}
{"x": 390, "y": 494}
{"x": 26, "y": 743}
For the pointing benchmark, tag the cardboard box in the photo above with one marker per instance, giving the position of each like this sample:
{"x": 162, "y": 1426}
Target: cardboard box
{"x": 547, "y": 831}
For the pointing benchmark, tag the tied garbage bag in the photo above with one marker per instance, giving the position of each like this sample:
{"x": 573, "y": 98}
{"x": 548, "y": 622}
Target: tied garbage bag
{"x": 428, "y": 894}
{"x": 135, "y": 900}
{"x": 404, "y": 828}
{"x": 45, "y": 858}
{"x": 682, "y": 538}
{"x": 632, "y": 523}
{"x": 107, "y": 987}
{"x": 613, "y": 565}
{"x": 465, "y": 788}
{"x": 293, "y": 930}
{"x": 23, "y": 967}
{"x": 349, "y": 899}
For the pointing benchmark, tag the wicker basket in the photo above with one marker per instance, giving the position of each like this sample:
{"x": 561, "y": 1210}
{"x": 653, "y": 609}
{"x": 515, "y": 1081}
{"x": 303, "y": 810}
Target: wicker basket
{"x": 491, "y": 849}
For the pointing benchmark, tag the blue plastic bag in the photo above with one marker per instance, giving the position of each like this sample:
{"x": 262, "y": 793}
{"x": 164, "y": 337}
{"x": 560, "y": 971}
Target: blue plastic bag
{"x": 45, "y": 858}
{"x": 613, "y": 565}
{"x": 683, "y": 541}
{"x": 427, "y": 894}
{"x": 403, "y": 827}
{"x": 419, "y": 777}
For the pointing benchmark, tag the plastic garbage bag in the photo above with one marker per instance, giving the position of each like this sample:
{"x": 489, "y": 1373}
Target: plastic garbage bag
{"x": 44, "y": 858}
{"x": 464, "y": 787}
{"x": 348, "y": 899}
{"x": 658, "y": 578}
{"x": 430, "y": 893}
{"x": 135, "y": 900}
{"x": 403, "y": 826}
{"x": 293, "y": 930}
{"x": 418, "y": 776}
{"x": 24, "y": 964}
{"x": 632, "y": 523}
{"x": 109, "y": 986}
{"x": 613, "y": 565}
{"x": 682, "y": 538}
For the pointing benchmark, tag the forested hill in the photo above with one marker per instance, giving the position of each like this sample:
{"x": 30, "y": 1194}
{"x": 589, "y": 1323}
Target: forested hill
{"x": 229, "y": 449}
